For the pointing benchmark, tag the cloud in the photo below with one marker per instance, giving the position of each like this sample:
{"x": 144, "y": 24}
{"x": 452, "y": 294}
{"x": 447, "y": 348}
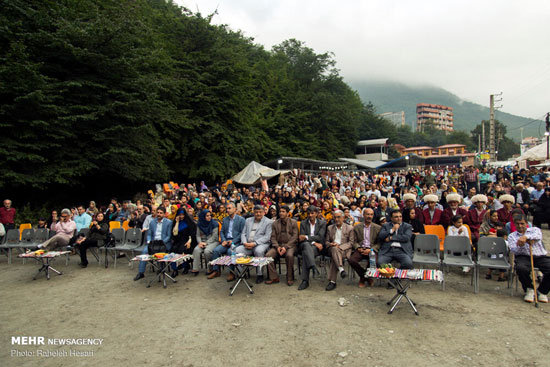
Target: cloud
{"x": 471, "y": 48}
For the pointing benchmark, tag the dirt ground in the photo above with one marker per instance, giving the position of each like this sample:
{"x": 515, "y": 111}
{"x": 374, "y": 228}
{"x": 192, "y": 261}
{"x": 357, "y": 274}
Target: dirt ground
{"x": 195, "y": 323}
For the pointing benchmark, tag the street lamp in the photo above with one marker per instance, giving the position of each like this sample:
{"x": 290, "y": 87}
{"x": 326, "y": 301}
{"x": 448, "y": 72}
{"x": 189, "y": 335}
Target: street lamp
{"x": 279, "y": 162}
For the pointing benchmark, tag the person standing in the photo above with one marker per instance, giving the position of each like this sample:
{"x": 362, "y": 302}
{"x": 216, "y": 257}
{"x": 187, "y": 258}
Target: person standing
{"x": 339, "y": 240}
{"x": 365, "y": 240}
{"x": 7, "y": 215}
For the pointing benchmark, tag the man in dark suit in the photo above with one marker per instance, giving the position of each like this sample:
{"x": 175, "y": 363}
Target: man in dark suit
{"x": 339, "y": 241}
{"x": 365, "y": 240}
{"x": 311, "y": 243}
{"x": 395, "y": 240}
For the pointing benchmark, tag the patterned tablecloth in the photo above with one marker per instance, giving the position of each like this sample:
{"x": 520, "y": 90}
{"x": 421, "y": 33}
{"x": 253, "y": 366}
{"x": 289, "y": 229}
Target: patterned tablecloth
{"x": 47, "y": 254}
{"x": 170, "y": 258}
{"x": 413, "y": 274}
{"x": 255, "y": 261}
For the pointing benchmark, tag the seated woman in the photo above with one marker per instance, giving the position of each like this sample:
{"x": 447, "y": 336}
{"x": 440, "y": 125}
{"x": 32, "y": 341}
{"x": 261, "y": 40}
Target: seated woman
{"x": 98, "y": 232}
{"x": 418, "y": 227}
{"x": 184, "y": 239}
{"x": 207, "y": 238}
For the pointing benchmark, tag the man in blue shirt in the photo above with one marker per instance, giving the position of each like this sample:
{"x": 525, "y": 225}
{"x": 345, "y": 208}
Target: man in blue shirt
{"x": 232, "y": 227}
{"x": 82, "y": 220}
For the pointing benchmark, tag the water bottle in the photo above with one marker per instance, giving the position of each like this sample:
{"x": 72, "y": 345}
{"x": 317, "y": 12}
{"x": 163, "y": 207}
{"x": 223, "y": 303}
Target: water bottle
{"x": 233, "y": 255}
{"x": 372, "y": 260}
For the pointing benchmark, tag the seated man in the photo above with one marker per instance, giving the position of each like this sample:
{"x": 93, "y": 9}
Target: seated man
{"x": 339, "y": 242}
{"x": 365, "y": 240}
{"x": 232, "y": 228}
{"x": 519, "y": 243}
{"x": 65, "y": 230}
{"x": 160, "y": 231}
{"x": 284, "y": 236}
{"x": 312, "y": 239}
{"x": 256, "y": 237}
{"x": 395, "y": 240}
{"x": 83, "y": 219}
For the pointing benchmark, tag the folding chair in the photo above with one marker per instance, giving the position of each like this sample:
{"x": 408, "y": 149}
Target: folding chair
{"x": 119, "y": 235}
{"x": 426, "y": 250}
{"x": 492, "y": 253}
{"x": 458, "y": 253}
{"x": 13, "y": 238}
{"x": 22, "y": 227}
{"x": 132, "y": 241}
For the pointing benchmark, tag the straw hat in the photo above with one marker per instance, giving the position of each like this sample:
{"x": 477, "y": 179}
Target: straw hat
{"x": 431, "y": 198}
{"x": 479, "y": 197}
{"x": 454, "y": 197}
{"x": 409, "y": 197}
{"x": 507, "y": 197}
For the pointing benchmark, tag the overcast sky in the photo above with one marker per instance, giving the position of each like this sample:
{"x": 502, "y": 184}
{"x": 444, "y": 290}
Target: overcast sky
{"x": 470, "y": 48}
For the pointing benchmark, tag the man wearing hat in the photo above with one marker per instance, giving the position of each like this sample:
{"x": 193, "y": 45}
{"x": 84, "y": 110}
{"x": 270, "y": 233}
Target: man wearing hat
{"x": 454, "y": 201}
{"x": 431, "y": 215}
{"x": 505, "y": 213}
{"x": 409, "y": 201}
{"x": 475, "y": 215}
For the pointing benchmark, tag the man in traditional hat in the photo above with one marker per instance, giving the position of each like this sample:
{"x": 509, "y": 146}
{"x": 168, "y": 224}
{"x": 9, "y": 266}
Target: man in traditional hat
{"x": 475, "y": 215}
{"x": 454, "y": 201}
{"x": 409, "y": 201}
{"x": 431, "y": 215}
{"x": 505, "y": 213}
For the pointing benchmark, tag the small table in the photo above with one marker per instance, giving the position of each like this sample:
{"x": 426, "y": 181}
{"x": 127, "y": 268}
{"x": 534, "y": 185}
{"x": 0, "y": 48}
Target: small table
{"x": 401, "y": 281}
{"x": 240, "y": 270}
{"x": 44, "y": 260}
{"x": 162, "y": 266}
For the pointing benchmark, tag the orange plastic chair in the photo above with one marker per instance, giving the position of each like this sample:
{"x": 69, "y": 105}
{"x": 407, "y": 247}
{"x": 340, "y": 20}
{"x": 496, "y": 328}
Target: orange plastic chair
{"x": 166, "y": 188}
{"x": 219, "y": 232}
{"x": 469, "y": 231}
{"x": 439, "y": 231}
{"x": 125, "y": 225}
{"x": 23, "y": 227}
{"x": 113, "y": 224}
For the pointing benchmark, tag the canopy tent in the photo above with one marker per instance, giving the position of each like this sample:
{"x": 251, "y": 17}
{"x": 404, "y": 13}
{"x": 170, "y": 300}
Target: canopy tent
{"x": 253, "y": 172}
{"x": 537, "y": 153}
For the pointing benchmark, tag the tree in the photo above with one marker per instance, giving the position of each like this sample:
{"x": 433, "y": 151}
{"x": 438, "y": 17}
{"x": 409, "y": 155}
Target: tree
{"x": 505, "y": 146}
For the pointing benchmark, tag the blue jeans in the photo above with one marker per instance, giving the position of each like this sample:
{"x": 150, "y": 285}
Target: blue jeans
{"x": 397, "y": 254}
{"x": 219, "y": 251}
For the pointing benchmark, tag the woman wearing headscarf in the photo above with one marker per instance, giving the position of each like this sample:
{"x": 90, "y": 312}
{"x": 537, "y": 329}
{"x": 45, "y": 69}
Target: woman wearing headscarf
{"x": 207, "y": 239}
{"x": 98, "y": 232}
{"x": 184, "y": 237}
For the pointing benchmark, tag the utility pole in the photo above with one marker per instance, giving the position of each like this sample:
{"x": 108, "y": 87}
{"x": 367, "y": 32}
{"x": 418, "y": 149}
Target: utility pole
{"x": 482, "y": 136}
{"x": 547, "y": 133}
{"x": 492, "y": 145}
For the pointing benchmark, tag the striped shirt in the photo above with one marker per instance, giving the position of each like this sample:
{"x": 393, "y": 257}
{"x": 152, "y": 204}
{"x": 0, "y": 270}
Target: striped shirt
{"x": 532, "y": 233}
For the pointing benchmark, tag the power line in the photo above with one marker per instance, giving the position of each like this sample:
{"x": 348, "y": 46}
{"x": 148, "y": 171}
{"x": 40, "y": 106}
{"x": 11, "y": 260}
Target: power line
{"x": 529, "y": 123}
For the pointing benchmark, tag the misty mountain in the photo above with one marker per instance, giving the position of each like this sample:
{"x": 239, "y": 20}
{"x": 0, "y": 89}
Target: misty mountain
{"x": 389, "y": 96}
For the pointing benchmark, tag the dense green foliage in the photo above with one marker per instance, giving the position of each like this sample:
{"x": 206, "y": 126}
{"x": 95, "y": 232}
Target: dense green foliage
{"x": 390, "y": 96}
{"x": 109, "y": 93}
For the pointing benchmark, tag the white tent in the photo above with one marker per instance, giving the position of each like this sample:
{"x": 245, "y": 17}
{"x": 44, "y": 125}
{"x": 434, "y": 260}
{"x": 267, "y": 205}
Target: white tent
{"x": 253, "y": 172}
{"x": 537, "y": 153}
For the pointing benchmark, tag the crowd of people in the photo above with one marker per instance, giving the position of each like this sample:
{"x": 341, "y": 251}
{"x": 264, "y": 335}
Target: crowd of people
{"x": 342, "y": 215}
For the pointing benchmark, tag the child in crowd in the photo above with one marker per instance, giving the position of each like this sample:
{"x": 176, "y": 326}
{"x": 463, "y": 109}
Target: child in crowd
{"x": 458, "y": 229}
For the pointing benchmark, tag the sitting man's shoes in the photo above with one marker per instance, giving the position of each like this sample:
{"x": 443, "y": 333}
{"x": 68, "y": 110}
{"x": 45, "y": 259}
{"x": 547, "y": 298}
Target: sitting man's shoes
{"x": 343, "y": 274}
{"x": 488, "y": 276}
{"x": 290, "y": 283}
{"x": 543, "y": 298}
{"x": 208, "y": 272}
{"x": 370, "y": 282}
{"x": 529, "y": 295}
{"x": 273, "y": 281}
{"x": 214, "y": 274}
{"x": 185, "y": 271}
{"x": 174, "y": 273}
{"x": 330, "y": 286}
{"x": 82, "y": 265}
{"x": 303, "y": 286}
{"x": 230, "y": 277}
{"x": 195, "y": 273}
{"x": 139, "y": 276}
{"x": 259, "y": 279}
{"x": 502, "y": 280}
{"x": 362, "y": 283}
